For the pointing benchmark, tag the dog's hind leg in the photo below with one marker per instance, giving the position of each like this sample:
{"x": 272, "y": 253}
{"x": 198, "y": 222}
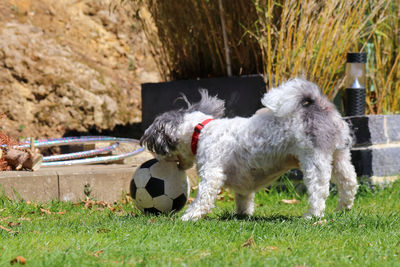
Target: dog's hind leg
{"x": 244, "y": 203}
{"x": 345, "y": 177}
{"x": 317, "y": 171}
{"x": 209, "y": 187}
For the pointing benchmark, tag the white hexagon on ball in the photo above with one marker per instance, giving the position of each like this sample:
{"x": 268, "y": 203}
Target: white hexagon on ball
{"x": 142, "y": 177}
{"x": 163, "y": 203}
{"x": 143, "y": 199}
{"x": 161, "y": 182}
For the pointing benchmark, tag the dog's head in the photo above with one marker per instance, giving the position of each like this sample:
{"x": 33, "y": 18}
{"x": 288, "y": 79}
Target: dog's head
{"x": 303, "y": 101}
{"x": 165, "y": 134}
{"x": 296, "y": 95}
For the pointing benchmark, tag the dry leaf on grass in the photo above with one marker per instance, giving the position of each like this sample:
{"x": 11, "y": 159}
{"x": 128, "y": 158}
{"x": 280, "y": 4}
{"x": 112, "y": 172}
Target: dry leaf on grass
{"x": 8, "y": 230}
{"x": 324, "y": 221}
{"x": 249, "y": 243}
{"x": 97, "y": 253}
{"x": 88, "y": 203}
{"x": 4, "y": 218}
{"x": 18, "y": 259}
{"x": 5, "y": 229}
{"x": 45, "y": 211}
{"x": 270, "y": 248}
{"x": 290, "y": 201}
{"x": 153, "y": 220}
{"x": 13, "y": 224}
{"x": 3, "y": 209}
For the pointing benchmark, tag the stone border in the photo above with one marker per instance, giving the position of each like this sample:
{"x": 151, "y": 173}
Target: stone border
{"x": 101, "y": 182}
{"x": 376, "y": 152}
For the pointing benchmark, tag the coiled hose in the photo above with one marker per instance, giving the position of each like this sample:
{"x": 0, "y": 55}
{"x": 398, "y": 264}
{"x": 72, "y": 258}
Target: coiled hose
{"x": 84, "y": 157}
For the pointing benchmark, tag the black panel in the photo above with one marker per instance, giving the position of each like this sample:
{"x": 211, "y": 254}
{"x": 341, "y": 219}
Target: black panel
{"x": 133, "y": 189}
{"x": 362, "y": 161}
{"x": 155, "y": 187}
{"x": 179, "y": 202}
{"x": 361, "y": 133}
{"x": 242, "y": 95}
{"x": 148, "y": 163}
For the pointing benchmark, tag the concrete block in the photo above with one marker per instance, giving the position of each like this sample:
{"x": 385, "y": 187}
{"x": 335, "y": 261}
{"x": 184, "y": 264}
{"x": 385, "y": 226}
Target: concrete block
{"x": 393, "y": 127}
{"x": 242, "y": 95}
{"x": 368, "y": 130}
{"x": 386, "y": 161}
{"x": 103, "y": 182}
{"x": 377, "y": 161}
{"x": 34, "y": 186}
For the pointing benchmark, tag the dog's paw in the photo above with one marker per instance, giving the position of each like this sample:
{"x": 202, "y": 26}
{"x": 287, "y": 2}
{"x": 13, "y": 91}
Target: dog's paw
{"x": 343, "y": 206}
{"x": 309, "y": 215}
{"x": 189, "y": 217}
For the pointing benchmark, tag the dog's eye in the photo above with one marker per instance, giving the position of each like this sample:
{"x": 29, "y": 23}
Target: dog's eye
{"x": 306, "y": 102}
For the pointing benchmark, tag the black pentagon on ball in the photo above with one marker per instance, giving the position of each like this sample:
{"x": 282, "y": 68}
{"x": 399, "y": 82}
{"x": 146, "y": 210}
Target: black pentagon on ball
{"x": 133, "y": 189}
{"x": 179, "y": 202}
{"x": 155, "y": 187}
{"x": 152, "y": 211}
{"x": 148, "y": 164}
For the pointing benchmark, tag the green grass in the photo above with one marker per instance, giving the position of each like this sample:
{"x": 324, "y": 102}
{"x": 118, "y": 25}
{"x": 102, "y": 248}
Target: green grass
{"x": 276, "y": 235}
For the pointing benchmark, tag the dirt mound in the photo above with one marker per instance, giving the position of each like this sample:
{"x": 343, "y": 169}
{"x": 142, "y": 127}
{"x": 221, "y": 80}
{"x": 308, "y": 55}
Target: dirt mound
{"x": 70, "y": 66}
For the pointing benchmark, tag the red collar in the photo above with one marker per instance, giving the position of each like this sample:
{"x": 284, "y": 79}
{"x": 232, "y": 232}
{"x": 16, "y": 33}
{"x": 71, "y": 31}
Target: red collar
{"x": 196, "y": 133}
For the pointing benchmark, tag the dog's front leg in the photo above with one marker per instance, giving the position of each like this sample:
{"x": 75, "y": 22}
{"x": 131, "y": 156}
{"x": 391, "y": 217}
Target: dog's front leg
{"x": 209, "y": 187}
{"x": 317, "y": 171}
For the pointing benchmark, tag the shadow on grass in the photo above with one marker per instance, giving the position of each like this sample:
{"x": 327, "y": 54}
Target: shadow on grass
{"x": 228, "y": 216}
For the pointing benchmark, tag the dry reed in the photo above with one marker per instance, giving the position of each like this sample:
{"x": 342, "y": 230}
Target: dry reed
{"x": 383, "y": 81}
{"x": 281, "y": 39}
{"x": 187, "y": 40}
{"x": 311, "y": 38}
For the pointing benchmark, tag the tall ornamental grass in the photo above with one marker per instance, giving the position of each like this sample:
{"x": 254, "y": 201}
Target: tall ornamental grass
{"x": 383, "y": 83}
{"x": 311, "y": 38}
{"x": 187, "y": 40}
{"x": 281, "y": 39}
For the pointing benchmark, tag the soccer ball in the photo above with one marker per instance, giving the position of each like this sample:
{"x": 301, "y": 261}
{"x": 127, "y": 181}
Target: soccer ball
{"x": 159, "y": 187}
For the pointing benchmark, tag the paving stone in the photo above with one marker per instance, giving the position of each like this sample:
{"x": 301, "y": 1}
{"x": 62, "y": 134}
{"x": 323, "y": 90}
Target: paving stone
{"x": 107, "y": 183}
{"x": 393, "y": 125}
{"x": 34, "y": 186}
{"x": 242, "y": 95}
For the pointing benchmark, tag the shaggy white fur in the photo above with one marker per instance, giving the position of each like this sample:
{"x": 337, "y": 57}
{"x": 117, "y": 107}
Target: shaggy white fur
{"x": 300, "y": 128}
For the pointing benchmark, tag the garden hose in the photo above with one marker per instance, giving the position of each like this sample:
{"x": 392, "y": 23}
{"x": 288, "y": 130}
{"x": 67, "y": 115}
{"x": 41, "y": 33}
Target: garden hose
{"x": 84, "y": 157}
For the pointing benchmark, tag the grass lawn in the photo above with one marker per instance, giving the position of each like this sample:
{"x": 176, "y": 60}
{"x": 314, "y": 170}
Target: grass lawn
{"x": 94, "y": 234}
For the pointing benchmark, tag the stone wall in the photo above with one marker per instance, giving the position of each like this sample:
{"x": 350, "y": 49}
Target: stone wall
{"x": 376, "y": 150}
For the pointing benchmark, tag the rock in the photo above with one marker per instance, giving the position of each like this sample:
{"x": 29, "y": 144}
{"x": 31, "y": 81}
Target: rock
{"x": 69, "y": 63}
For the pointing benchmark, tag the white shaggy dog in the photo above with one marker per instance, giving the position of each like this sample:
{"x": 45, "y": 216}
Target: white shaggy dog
{"x": 301, "y": 129}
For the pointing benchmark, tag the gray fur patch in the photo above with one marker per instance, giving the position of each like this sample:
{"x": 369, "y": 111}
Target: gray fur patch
{"x": 317, "y": 113}
{"x": 160, "y": 136}
{"x": 210, "y": 105}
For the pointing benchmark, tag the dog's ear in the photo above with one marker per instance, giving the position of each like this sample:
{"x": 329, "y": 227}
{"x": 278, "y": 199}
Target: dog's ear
{"x": 280, "y": 101}
{"x": 160, "y": 137}
{"x": 291, "y": 96}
